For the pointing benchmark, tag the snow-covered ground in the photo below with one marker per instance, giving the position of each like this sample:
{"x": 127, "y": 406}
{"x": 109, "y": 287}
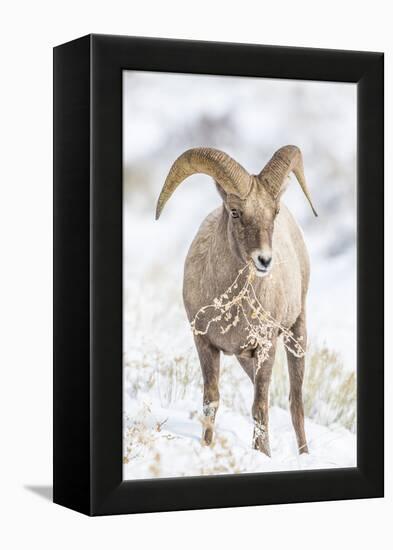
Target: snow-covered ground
{"x": 164, "y": 115}
{"x": 166, "y": 441}
{"x": 172, "y": 445}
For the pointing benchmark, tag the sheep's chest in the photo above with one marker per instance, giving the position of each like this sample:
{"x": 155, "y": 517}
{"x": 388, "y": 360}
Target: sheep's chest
{"x": 246, "y": 316}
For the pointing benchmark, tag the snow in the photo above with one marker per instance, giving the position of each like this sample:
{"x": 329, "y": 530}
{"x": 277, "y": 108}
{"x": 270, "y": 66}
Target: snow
{"x": 165, "y": 114}
{"x": 176, "y": 449}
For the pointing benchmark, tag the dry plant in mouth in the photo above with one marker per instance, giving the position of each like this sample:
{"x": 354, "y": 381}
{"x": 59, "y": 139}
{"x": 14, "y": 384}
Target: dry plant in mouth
{"x": 240, "y": 302}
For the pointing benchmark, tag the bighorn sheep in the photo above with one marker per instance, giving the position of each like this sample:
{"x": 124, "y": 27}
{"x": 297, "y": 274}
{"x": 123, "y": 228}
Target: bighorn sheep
{"x": 249, "y": 229}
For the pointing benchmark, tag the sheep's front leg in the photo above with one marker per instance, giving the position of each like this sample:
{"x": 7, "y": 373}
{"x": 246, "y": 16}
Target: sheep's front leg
{"x": 260, "y": 407}
{"x": 209, "y": 358}
{"x": 296, "y": 375}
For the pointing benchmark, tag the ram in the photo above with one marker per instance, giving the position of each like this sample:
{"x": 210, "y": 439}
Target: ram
{"x": 246, "y": 278}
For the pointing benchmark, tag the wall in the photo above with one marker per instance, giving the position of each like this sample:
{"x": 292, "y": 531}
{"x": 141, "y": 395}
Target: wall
{"x": 28, "y": 32}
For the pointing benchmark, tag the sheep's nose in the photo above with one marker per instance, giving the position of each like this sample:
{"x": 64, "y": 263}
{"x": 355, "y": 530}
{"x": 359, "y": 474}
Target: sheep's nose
{"x": 264, "y": 260}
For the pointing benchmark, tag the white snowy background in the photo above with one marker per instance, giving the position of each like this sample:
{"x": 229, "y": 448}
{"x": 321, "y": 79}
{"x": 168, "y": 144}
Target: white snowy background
{"x": 165, "y": 114}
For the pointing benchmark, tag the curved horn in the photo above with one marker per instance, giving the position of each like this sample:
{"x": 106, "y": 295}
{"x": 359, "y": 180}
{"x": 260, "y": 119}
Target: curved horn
{"x": 285, "y": 160}
{"x": 230, "y": 175}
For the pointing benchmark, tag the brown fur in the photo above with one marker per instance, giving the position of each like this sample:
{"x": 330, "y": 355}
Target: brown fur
{"x": 220, "y": 249}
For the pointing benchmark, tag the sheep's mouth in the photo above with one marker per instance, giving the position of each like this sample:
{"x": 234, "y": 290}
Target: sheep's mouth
{"x": 262, "y": 271}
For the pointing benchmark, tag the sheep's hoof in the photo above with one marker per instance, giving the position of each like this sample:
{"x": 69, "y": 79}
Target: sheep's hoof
{"x": 262, "y": 446}
{"x": 260, "y": 440}
{"x": 303, "y": 449}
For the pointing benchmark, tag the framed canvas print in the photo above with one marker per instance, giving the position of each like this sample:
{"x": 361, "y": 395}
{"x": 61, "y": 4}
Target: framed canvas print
{"x": 218, "y": 274}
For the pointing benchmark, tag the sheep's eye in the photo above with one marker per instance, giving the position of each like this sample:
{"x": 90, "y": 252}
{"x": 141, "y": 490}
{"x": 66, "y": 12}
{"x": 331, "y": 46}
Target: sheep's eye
{"x": 234, "y": 213}
{"x": 277, "y": 210}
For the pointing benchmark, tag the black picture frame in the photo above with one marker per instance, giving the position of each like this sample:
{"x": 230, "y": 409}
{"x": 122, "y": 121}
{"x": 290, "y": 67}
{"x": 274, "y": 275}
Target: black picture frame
{"x": 88, "y": 274}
